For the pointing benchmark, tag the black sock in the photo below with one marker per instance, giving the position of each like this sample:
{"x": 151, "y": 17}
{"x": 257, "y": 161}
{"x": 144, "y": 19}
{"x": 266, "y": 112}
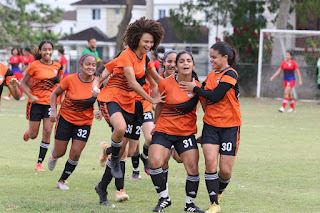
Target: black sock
{"x": 223, "y": 184}
{"x": 43, "y": 151}
{"x": 135, "y": 161}
{"x": 107, "y": 177}
{"x": 157, "y": 178}
{"x": 165, "y": 172}
{"x": 192, "y": 185}
{"x": 119, "y": 182}
{"x": 212, "y": 182}
{"x": 115, "y": 148}
{"x": 145, "y": 151}
{"x": 68, "y": 169}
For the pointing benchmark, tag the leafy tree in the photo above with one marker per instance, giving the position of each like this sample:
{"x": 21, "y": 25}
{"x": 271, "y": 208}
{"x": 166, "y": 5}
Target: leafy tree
{"x": 25, "y": 21}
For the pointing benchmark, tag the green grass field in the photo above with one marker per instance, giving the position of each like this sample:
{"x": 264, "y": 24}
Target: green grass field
{"x": 277, "y": 168}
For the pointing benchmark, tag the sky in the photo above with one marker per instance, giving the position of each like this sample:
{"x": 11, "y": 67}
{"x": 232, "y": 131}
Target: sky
{"x": 63, "y": 4}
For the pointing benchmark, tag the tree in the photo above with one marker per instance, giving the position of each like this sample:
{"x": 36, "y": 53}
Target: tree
{"x": 25, "y": 21}
{"x": 123, "y": 25}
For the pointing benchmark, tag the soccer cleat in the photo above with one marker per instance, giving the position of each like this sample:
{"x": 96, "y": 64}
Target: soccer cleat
{"x": 135, "y": 175}
{"x": 7, "y": 98}
{"x": 61, "y": 184}
{"x": 281, "y": 109}
{"x": 103, "y": 200}
{"x": 52, "y": 161}
{"x": 162, "y": 204}
{"x": 22, "y": 98}
{"x": 39, "y": 167}
{"x": 291, "y": 110}
{"x": 214, "y": 208}
{"x": 219, "y": 197}
{"x": 115, "y": 167}
{"x": 103, "y": 157}
{"x": 146, "y": 164}
{"x": 121, "y": 196}
{"x": 26, "y": 135}
{"x": 190, "y": 207}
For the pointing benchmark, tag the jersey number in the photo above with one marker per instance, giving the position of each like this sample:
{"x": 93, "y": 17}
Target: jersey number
{"x": 187, "y": 143}
{"x": 147, "y": 116}
{"x": 82, "y": 133}
{"x": 226, "y": 146}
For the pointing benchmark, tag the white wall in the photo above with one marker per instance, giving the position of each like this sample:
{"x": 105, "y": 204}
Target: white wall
{"x": 85, "y": 21}
{"x": 65, "y": 27}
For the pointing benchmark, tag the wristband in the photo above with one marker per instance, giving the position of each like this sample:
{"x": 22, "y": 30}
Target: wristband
{"x": 154, "y": 125}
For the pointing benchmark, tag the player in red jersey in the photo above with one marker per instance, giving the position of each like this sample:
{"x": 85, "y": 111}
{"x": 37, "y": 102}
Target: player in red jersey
{"x": 75, "y": 117}
{"x": 176, "y": 125}
{"x": 222, "y": 120}
{"x": 46, "y": 76}
{"x": 288, "y": 66}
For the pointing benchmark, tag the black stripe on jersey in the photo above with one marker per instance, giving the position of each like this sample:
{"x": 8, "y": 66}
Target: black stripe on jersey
{"x": 119, "y": 81}
{"x": 9, "y": 73}
{"x": 171, "y": 110}
{"x": 77, "y": 105}
{"x": 234, "y": 75}
{"x": 45, "y": 84}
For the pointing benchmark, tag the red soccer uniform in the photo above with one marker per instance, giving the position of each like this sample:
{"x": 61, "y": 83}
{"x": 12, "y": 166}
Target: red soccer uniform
{"x": 117, "y": 88}
{"x": 77, "y": 106}
{"x": 226, "y": 112}
{"x": 178, "y": 115}
{"x": 45, "y": 80}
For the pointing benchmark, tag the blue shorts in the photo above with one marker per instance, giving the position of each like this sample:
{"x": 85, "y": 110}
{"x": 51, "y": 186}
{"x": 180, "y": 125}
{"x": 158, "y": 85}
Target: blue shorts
{"x": 180, "y": 143}
{"x": 66, "y": 130}
{"x": 227, "y": 138}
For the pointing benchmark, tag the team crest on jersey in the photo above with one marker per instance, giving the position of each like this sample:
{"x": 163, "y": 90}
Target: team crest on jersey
{"x": 190, "y": 94}
{"x": 1, "y": 79}
{"x": 55, "y": 71}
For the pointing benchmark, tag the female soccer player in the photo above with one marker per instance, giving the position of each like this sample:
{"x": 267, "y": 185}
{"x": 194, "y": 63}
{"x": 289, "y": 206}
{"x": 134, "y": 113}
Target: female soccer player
{"x": 288, "y": 66}
{"x": 169, "y": 63}
{"x": 176, "y": 125}
{"x": 7, "y": 79}
{"x": 117, "y": 100}
{"x": 14, "y": 62}
{"x": 222, "y": 120}
{"x": 46, "y": 76}
{"x": 75, "y": 117}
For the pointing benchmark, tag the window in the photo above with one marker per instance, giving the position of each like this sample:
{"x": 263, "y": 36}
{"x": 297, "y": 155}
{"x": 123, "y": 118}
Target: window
{"x": 160, "y": 49}
{"x": 117, "y": 11}
{"x": 71, "y": 30}
{"x": 193, "y": 50}
{"x": 96, "y": 14}
{"x": 162, "y": 13}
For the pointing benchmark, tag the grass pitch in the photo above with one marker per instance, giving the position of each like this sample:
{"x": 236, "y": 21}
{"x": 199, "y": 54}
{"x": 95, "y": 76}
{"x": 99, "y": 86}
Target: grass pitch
{"x": 277, "y": 168}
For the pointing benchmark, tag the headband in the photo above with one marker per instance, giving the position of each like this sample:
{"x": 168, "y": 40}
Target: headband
{"x": 165, "y": 55}
{"x": 86, "y": 55}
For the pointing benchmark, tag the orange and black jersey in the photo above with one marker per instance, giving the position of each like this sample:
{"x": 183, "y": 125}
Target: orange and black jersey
{"x": 178, "y": 115}
{"x": 77, "y": 107}
{"x": 5, "y": 76}
{"x": 45, "y": 80}
{"x": 147, "y": 106}
{"x": 117, "y": 88}
{"x": 222, "y": 91}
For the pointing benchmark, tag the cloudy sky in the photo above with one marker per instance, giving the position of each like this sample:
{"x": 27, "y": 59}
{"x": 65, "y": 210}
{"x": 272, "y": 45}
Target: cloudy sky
{"x": 64, "y": 4}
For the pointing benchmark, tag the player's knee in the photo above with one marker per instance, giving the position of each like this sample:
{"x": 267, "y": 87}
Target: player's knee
{"x": 33, "y": 135}
{"x": 155, "y": 162}
{"x": 75, "y": 155}
{"x": 192, "y": 169}
{"x": 225, "y": 173}
{"x": 120, "y": 129}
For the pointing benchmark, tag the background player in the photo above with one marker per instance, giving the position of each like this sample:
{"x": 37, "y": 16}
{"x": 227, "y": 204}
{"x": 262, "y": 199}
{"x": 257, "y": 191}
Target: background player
{"x": 46, "y": 76}
{"x": 288, "y": 66}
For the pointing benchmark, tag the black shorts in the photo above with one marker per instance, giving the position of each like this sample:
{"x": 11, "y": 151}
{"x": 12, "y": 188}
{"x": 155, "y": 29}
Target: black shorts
{"x": 66, "y": 130}
{"x": 133, "y": 121}
{"x": 227, "y": 138}
{"x": 147, "y": 117}
{"x": 180, "y": 143}
{"x": 36, "y": 112}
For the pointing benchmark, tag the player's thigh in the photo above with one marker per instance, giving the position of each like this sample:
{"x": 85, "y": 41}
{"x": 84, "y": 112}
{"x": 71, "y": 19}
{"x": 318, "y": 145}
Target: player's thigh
{"x": 211, "y": 156}
{"x": 60, "y": 147}
{"x": 157, "y": 155}
{"x": 118, "y": 122}
{"x": 146, "y": 129}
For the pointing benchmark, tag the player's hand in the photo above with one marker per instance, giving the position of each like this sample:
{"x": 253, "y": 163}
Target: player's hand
{"x": 188, "y": 86}
{"x": 14, "y": 82}
{"x": 159, "y": 98}
{"x": 152, "y": 131}
{"x": 95, "y": 92}
{"x": 98, "y": 115}
{"x": 199, "y": 139}
{"x": 33, "y": 99}
{"x": 300, "y": 83}
{"x": 53, "y": 116}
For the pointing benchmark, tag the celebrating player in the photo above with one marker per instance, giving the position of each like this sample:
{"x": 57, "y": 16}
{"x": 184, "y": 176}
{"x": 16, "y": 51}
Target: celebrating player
{"x": 222, "y": 120}
{"x": 46, "y": 75}
{"x": 176, "y": 125}
{"x": 75, "y": 117}
{"x": 7, "y": 79}
{"x": 117, "y": 100}
{"x": 288, "y": 66}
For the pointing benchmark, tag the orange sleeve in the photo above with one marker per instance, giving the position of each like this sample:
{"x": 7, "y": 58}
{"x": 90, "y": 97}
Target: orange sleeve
{"x": 150, "y": 65}
{"x": 124, "y": 60}
{"x": 228, "y": 79}
{"x": 64, "y": 84}
{"x": 111, "y": 65}
{"x": 31, "y": 69}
